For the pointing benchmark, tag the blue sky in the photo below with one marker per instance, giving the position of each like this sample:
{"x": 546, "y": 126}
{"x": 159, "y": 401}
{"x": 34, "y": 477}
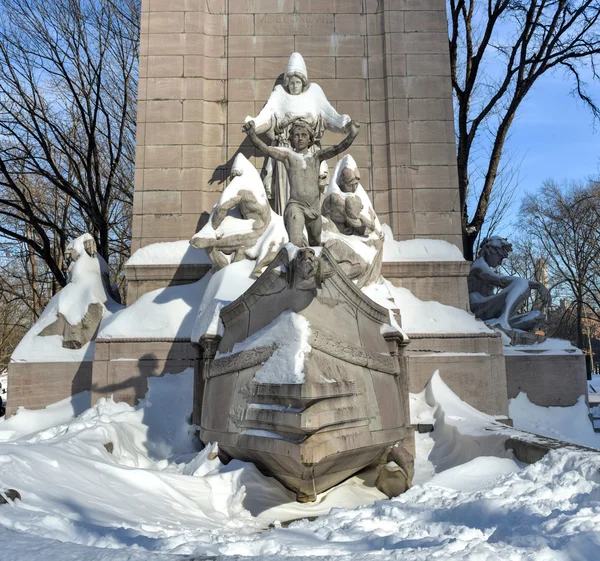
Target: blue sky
{"x": 554, "y": 134}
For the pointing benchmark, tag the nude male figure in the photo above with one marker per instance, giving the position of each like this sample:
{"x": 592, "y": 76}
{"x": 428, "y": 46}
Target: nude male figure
{"x": 496, "y": 298}
{"x": 303, "y": 169}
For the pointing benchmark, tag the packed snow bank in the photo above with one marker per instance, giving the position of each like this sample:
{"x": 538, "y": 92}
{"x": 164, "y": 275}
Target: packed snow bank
{"x": 169, "y": 253}
{"x": 225, "y": 286}
{"x": 461, "y": 432}
{"x": 418, "y": 249}
{"x": 158, "y": 497}
{"x": 164, "y": 313}
{"x": 288, "y": 334}
{"x": 571, "y": 424}
{"x": 25, "y": 422}
{"x": 423, "y": 317}
{"x": 172, "y": 312}
{"x": 87, "y": 275}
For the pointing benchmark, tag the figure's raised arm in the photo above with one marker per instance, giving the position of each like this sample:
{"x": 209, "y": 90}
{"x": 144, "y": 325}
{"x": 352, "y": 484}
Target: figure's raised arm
{"x": 328, "y": 153}
{"x": 271, "y": 151}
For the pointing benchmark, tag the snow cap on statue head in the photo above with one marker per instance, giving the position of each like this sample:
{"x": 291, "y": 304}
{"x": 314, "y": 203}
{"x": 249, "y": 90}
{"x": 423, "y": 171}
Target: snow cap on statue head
{"x": 296, "y": 67}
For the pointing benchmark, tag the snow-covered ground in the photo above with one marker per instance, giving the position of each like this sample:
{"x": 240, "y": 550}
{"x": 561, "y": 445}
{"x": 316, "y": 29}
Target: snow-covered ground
{"x": 159, "y": 496}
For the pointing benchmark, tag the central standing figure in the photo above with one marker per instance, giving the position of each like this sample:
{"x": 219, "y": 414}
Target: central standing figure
{"x": 303, "y": 207}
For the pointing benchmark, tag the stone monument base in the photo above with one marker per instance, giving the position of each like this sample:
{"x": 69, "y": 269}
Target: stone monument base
{"x": 122, "y": 366}
{"x": 307, "y": 380}
{"x": 440, "y": 281}
{"x": 471, "y": 365}
{"x": 548, "y": 379}
{"x": 35, "y": 385}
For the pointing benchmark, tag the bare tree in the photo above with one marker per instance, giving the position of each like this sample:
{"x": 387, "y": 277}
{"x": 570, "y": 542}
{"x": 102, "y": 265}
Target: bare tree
{"x": 498, "y": 50}
{"x": 564, "y": 227}
{"x": 67, "y": 125}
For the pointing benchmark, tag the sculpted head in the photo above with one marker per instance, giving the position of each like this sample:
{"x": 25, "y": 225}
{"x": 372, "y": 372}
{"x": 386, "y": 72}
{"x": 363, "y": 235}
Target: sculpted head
{"x": 295, "y": 83}
{"x": 302, "y": 136}
{"x": 306, "y": 263}
{"x": 349, "y": 180}
{"x": 295, "y": 79}
{"x": 494, "y": 250}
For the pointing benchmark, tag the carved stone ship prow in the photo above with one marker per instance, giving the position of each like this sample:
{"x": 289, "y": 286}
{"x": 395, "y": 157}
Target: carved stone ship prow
{"x": 350, "y": 402}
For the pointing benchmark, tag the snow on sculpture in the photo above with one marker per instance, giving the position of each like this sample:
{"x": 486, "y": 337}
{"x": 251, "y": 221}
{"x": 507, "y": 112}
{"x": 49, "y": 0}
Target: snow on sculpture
{"x": 296, "y": 99}
{"x": 303, "y": 209}
{"x": 242, "y": 224}
{"x": 496, "y": 298}
{"x": 352, "y": 232}
{"x": 302, "y": 374}
{"x": 75, "y": 313}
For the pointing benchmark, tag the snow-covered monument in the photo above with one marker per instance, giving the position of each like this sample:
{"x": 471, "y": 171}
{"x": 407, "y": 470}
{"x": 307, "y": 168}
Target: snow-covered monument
{"x": 304, "y": 352}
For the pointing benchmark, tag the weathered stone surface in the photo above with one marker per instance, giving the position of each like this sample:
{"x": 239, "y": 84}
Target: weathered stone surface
{"x": 75, "y": 336}
{"x": 145, "y": 278}
{"x": 352, "y": 405}
{"x": 549, "y": 380}
{"x": 472, "y": 365}
{"x": 121, "y": 367}
{"x": 384, "y": 63}
{"x": 34, "y": 385}
{"x": 440, "y": 281}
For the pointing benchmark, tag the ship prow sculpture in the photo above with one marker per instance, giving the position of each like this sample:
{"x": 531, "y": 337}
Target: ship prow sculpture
{"x": 303, "y": 373}
{"x": 307, "y": 379}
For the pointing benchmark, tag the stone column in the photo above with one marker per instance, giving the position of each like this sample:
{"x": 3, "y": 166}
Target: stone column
{"x": 206, "y": 64}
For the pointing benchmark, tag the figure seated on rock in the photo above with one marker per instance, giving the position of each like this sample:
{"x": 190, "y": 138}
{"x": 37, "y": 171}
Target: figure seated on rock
{"x": 80, "y": 306}
{"x": 351, "y": 231}
{"x": 296, "y": 99}
{"x": 495, "y": 298}
{"x": 303, "y": 169}
{"x": 242, "y": 224}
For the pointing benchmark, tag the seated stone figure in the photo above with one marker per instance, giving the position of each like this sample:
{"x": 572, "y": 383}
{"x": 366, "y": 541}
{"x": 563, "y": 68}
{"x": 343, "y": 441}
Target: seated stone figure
{"x": 303, "y": 209}
{"x": 242, "y": 224}
{"x": 345, "y": 208}
{"x": 495, "y": 298}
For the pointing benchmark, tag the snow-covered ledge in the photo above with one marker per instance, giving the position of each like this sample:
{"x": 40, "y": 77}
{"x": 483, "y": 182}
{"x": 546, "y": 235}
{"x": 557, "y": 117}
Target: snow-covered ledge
{"x": 164, "y": 264}
{"x": 430, "y": 269}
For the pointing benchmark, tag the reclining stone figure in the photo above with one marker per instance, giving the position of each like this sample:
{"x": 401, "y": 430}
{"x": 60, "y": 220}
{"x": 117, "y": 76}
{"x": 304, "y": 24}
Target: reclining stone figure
{"x": 495, "y": 298}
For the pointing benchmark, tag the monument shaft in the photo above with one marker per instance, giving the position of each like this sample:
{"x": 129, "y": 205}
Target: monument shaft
{"x": 207, "y": 64}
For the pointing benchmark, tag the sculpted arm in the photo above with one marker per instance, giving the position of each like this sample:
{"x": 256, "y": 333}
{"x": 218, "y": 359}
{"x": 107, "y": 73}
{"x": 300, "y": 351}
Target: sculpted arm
{"x": 222, "y": 210}
{"x": 333, "y": 151}
{"x": 271, "y": 151}
{"x": 488, "y": 276}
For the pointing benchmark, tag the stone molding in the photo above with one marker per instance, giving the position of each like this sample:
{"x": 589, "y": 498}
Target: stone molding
{"x": 239, "y": 361}
{"x": 145, "y": 340}
{"x": 454, "y": 336}
{"x": 179, "y": 273}
{"x": 349, "y": 353}
{"x": 318, "y": 341}
{"x": 427, "y": 269}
